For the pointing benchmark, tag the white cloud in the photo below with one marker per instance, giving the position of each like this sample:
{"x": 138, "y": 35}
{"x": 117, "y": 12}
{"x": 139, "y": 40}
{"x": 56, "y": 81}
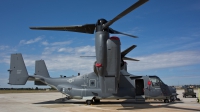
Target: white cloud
{"x": 191, "y": 45}
{"x": 165, "y": 60}
{"x": 85, "y": 65}
{"x": 49, "y": 50}
{"x": 61, "y": 43}
{"x": 57, "y": 43}
{"x": 183, "y": 77}
{"x": 45, "y": 43}
{"x": 5, "y": 59}
{"x": 61, "y": 62}
{"x": 68, "y": 58}
{"x": 3, "y": 82}
{"x": 31, "y": 41}
{"x": 83, "y": 50}
{"x": 67, "y": 62}
{"x": 3, "y": 47}
{"x": 65, "y": 49}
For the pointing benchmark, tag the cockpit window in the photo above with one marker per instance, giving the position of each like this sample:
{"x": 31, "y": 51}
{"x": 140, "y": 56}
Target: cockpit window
{"x": 190, "y": 90}
{"x": 155, "y": 81}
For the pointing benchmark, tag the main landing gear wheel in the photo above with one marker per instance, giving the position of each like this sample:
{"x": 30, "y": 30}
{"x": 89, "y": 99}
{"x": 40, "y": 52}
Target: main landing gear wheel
{"x": 166, "y": 100}
{"x": 89, "y": 102}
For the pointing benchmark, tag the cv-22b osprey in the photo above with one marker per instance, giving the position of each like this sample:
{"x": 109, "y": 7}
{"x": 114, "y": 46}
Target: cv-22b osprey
{"x": 109, "y": 79}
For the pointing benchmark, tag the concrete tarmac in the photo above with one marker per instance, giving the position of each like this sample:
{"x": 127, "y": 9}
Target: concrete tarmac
{"x": 45, "y": 102}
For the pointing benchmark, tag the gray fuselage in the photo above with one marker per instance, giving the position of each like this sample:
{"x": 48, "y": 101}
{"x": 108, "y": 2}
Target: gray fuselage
{"x": 130, "y": 86}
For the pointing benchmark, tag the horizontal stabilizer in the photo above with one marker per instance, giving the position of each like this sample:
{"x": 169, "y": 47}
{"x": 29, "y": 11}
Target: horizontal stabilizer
{"x": 18, "y": 73}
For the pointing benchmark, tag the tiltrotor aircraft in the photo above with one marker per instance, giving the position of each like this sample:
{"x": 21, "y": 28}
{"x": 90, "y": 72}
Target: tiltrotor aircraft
{"x": 109, "y": 80}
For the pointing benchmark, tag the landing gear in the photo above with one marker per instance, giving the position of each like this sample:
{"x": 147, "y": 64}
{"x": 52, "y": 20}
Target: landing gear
{"x": 89, "y": 102}
{"x": 172, "y": 98}
{"x": 178, "y": 99}
{"x": 166, "y": 100}
{"x": 96, "y": 100}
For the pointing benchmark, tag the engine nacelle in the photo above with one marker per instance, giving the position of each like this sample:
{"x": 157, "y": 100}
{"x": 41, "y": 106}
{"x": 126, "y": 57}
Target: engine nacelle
{"x": 107, "y": 65}
{"x": 113, "y": 61}
{"x": 101, "y": 38}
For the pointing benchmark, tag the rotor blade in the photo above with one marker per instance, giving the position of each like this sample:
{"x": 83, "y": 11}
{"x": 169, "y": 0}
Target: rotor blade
{"x": 127, "y": 50}
{"x": 87, "y": 28}
{"x": 117, "y": 32}
{"x": 128, "y": 10}
{"x": 131, "y": 59}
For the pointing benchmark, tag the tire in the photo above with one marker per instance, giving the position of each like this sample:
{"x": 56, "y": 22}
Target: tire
{"x": 89, "y": 102}
{"x": 178, "y": 99}
{"x": 166, "y": 101}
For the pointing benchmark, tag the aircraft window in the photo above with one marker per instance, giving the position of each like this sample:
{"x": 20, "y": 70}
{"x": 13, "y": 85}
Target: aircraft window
{"x": 155, "y": 81}
{"x": 190, "y": 90}
{"x": 92, "y": 83}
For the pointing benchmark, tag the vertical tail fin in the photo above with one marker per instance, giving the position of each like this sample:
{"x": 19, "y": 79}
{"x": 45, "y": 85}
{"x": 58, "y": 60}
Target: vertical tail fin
{"x": 18, "y": 73}
{"x": 41, "y": 69}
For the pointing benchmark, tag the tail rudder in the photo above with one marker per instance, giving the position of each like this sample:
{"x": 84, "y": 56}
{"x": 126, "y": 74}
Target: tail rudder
{"x": 41, "y": 69}
{"x": 18, "y": 72}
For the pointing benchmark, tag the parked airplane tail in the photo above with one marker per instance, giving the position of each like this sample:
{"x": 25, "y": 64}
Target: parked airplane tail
{"x": 41, "y": 69}
{"x": 18, "y": 73}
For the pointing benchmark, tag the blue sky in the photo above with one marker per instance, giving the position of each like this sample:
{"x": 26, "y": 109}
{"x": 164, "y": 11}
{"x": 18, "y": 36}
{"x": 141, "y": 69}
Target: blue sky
{"x": 168, "y": 44}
